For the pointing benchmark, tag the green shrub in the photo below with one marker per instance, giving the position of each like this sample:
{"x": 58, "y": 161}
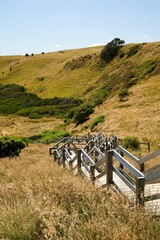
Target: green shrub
{"x": 100, "y": 95}
{"x": 82, "y": 113}
{"x": 11, "y": 146}
{"x": 49, "y": 136}
{"x": 14, "y": 100}
{"x": 109, "y": 52}
{"x": 97, "y": 121}
{"x": 123, "y": 93}
{"x": 131, "y": 142}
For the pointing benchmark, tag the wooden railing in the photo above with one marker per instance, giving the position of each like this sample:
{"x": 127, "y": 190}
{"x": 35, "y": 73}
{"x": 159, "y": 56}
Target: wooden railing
{"x": 98, "y": 157}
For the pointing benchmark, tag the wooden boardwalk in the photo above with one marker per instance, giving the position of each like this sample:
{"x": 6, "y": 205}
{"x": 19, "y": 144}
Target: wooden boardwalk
{"x": 101, "y": 160}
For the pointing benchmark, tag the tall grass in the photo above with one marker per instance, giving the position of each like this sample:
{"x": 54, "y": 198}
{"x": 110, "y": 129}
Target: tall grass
{"x": 41, "y": 200}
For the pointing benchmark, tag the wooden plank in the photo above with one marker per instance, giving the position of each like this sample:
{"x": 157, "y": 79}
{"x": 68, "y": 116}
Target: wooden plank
{"x": 151, "y": 176}
{"x": 152, "y": 197}
{"x": 131, "y": 156}
{"x": 68, "y": 155}
{"x": 84, "y": 165}
{"x": 124, "y": 179}
{"x": 89, "y": 159}
{"x": 100, "y": 162}
{"x": 150, "y": 156}
{"x": 101, "y": 175}
{"x": 100, "y": 153}
{"x": 121, "y": 170}
{"x": 129, "y": 166}
{"x": 109, "y": 167}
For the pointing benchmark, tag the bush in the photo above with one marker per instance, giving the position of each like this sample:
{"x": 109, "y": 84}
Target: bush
{"x": 49, "y": 136}
{"x": 97, "y": 121}
{"x": 123, "y": 93}
{"x": 26, "y": 55}
{"x": 110, "y": 50}
{"x": 11, "y": 146}
{"x": 82, "y": 112}
{"x": 131, "y": 142}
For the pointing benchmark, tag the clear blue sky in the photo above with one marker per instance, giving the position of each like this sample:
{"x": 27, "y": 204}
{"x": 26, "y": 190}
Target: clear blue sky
{"x": 34, "y": 26}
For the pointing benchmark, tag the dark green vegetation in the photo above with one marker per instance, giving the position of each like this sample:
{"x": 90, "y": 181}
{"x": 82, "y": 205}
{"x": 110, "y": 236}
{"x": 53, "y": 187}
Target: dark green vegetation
{"x": 111, "y": 49}
{"x": 49, "y": 136}
{"x": 98, "y": 120}
{"x": 11, "y": 146}
{"x": 15, "y": 100}
{"x": 131, "y": 142}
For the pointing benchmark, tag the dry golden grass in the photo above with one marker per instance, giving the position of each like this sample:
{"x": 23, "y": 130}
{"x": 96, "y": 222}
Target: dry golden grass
{"x": 21, "y": 126}
{"x": 41, "y": 200}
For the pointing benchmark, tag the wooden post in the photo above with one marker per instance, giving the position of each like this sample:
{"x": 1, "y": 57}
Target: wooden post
{"x": 71, "y": 165}
{"x": 140, "y": 182}
{"x": 92, "y": 173}
{"x": 141, "y": 167}
{"x": 50, "y": 151}
{"x": 87, "y": 148}
{"x": 79, "y": 160}
{"x": 109, "y": 167}
{"x": 63, "y": 157}
{"x": 121, "y": 165}
{"x": 55, "y": 156}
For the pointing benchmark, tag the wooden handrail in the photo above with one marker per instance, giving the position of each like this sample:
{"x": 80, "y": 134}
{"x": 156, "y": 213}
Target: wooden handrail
{"x": 150, "y": 156}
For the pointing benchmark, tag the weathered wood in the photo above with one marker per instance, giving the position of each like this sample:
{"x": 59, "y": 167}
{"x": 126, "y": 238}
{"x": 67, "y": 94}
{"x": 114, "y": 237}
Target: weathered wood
{"x": 128, "y": 165}
{"x": 63, "y": 157}
{"x": 141, "y": 167}
{"x": 79, "y": 160}
{"x": 124, "y": 179}
{"x": 131, "y": 156}
{"x": 150, "y": 156}
{"x": 55, "y": 156}
{"x": 121, "y": 165}
{"x": 151, "y": 176}
{"x": 89, "y": 159}
{"x": 109, "y": 167}
{"x": 92, "y": 173}
{"x": 140, "y": 182}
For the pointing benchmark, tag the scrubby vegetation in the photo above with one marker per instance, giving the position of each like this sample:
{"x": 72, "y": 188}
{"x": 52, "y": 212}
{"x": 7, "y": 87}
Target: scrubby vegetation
{"x": 109, "y": 52}
{"x": 49, "y": 136}
{"x": 131, "y": 142}
{"x": 98, "y": 120}
{"x": 11, "y": 146}
{"x": 15, "y": 100}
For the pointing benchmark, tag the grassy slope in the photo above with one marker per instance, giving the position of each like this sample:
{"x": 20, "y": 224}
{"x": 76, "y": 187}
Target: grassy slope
{"x": 40, "y": 200}
{"x": 138, "y": 116}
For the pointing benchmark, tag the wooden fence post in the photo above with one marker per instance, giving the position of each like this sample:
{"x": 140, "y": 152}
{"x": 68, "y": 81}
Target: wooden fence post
{"x": 109, "y": 167}
{"x": 141, "y": 167}
{"x": 55, "y": 156}
{"x": 63, "y": 157}
{"x": 79, "y": 160}
{"x": 92, "y": 173}
{"x": 50, "y": 151}
{"x": 121, "y": 165}
{"x": 140, "y": 182}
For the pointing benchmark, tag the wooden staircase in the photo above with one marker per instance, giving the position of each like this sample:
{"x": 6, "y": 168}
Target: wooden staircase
{"x": 103, "y": 161}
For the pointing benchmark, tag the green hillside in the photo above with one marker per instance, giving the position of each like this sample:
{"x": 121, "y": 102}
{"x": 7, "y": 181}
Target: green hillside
{"x": 78, "y": 73}
{"x": 81, "y": 74}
